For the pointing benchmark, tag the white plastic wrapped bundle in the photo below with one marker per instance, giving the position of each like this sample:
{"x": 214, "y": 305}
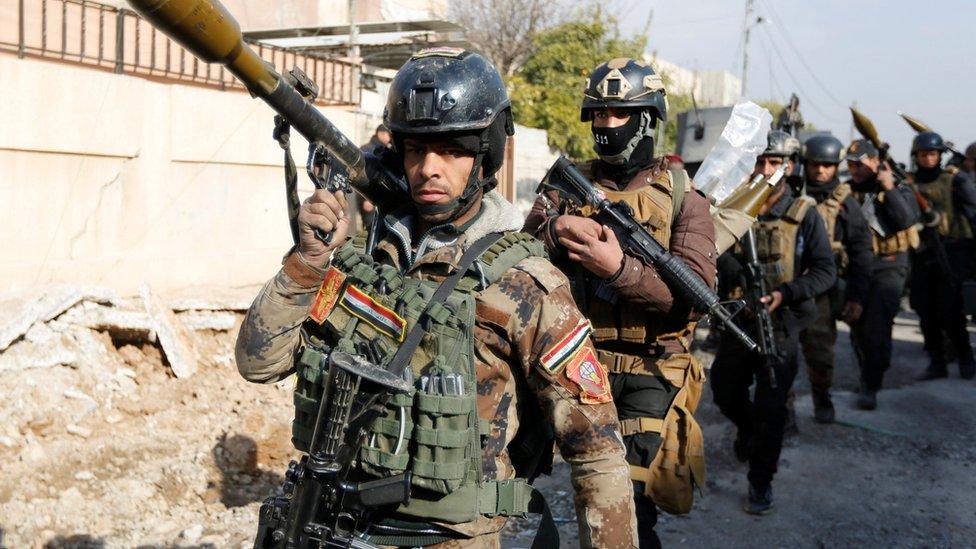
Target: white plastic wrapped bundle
{"x": 730, "y": 162}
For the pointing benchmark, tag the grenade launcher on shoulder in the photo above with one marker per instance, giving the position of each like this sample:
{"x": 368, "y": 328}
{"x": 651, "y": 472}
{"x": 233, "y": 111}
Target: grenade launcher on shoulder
{"x": 566, "y": 179}
{"x": 210, "y": 32}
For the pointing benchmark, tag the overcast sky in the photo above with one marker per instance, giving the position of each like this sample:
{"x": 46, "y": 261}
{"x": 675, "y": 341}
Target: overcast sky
{"x": 888, "y": 56}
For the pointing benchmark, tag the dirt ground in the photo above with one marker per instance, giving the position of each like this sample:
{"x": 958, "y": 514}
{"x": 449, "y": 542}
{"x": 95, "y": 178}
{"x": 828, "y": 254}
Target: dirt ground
{"x": 113, "y": 451}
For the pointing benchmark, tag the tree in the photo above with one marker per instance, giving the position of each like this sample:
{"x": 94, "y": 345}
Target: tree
{"x": 547, "y": 91}
{"x": 503, "y": 30}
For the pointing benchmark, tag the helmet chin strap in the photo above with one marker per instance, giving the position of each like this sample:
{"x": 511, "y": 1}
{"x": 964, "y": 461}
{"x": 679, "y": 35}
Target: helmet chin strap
{"x": 645, "y": 129}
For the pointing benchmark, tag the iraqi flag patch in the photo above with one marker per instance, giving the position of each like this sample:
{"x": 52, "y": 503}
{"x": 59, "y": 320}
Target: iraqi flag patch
{"x": 553, "y": 360}
{"x": 327, "y": 295}
{"x": 585, "y": 370}
{"x": 372, "y": 312}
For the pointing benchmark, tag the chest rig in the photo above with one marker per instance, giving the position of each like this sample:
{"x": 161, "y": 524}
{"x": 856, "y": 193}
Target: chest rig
{"x": 365, "y": 308}
{"x": 653, "y": 205}
{"x": 939, "y": 194}
{"x": 776, "y": 243}
{"x": 900, "y": 241}
{"x": 829, "y": 211}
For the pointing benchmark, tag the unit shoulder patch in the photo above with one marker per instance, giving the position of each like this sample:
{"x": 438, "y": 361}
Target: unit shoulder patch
{"x": 585, "y": 370}
{"x": 328, "y": 294}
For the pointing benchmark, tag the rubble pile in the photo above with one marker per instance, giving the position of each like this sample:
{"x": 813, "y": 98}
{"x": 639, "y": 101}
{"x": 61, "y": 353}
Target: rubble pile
{"x": 126, "y": 424}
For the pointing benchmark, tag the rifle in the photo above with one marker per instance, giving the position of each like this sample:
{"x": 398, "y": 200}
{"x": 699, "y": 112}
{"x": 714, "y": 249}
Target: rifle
{"x": 930, "y": 217}
{"x": 920, "y": 127}
{"x": 764, "y": 321}
{"x": 790, "y": 120}
{"x": 210, "y": 32}
{"x": 566, "y": 179}
{"x": 318, "y": 507}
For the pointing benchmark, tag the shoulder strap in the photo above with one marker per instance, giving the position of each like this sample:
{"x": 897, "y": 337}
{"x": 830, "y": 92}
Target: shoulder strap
{"x": 679, "y": 184}
{"x": 798, "y": 210}
{"x": 841, "y": 193}
{"x": 507, "y": 252}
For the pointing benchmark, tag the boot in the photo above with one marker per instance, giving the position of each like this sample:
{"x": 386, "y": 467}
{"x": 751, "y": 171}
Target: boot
{"x": 935, "y": 370}
{"x": 867, "y": 399}
{"x": 823, "y": 408}
{"x": 760, "y": 501}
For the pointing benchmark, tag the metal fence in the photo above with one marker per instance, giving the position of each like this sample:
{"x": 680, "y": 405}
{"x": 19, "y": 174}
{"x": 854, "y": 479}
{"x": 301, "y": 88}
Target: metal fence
{"x": 117, "y": 39}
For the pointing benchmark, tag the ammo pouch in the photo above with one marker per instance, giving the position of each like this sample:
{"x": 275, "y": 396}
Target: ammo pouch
{"x": 679, "y": 464}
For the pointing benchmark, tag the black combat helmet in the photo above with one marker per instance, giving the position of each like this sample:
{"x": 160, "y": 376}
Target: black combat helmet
{"x": 624, "y": 83}
{"x": 780, "y": 143}
{"x": 928, "y": 141}
{"x": 823, "y": 148}
{"x": 452, "y": 94}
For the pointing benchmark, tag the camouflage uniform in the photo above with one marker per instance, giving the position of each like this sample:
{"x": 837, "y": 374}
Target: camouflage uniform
{"x": 519, "y": 321}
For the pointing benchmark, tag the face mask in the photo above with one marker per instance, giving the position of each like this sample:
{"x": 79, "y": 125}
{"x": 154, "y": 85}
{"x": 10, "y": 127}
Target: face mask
{"x": 615, "y": 145}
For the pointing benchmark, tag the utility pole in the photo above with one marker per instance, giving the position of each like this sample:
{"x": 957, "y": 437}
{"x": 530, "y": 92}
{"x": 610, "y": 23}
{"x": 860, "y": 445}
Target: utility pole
{"x": 746, "y": 27}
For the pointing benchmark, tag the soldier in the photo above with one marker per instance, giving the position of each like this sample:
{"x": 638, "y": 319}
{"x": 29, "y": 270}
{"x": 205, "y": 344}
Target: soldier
{"x": 969, "y": 160}
{"x": 891, "y": 212}
{"x": 641, "y": 332}
{"x": 505, "y": 357}
{"x": 945, "y": 257}
{"x": 850, "y": 240}
{"x": 794, "y": 252}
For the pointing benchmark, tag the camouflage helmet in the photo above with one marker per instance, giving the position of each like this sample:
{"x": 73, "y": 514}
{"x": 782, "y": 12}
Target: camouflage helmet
{"x": 928, "y": 141}
{"x": 780, "y": 143}
{"x": 823, "y": 148}
{"x": 624, "y": 83}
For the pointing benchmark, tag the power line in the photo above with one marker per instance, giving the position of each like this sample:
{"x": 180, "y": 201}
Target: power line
{"x": 796, "y": 82}
{"x": 789, "y": 42}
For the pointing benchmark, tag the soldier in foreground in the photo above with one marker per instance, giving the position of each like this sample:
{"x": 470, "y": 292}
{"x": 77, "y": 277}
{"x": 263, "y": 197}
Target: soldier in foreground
{"x": 794, "y": 253}
{"x": 850, "y": 241}
{"x": 945, "y": 257}
{"x": 505, "y": 358}
{"x": 642, "y": 333}
{"x": 891, "y": 212}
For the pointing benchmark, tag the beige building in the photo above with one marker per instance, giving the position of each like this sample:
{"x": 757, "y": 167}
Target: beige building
{"x": 124, "y": 160}
{"x": 711, "y": 88}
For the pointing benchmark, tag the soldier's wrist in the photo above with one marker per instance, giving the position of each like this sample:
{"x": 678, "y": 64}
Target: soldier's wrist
{"x": 301, "y": 271}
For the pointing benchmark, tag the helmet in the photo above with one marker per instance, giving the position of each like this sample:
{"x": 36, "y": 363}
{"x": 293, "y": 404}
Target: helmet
{"x": 823, "y": 148}
{"x": 971, "y": 151}
{"x": 457, "y": 94}
{"x": 624, "y": 83}
{"x": 928, "y": 141}
{"x": 780, "y": 143}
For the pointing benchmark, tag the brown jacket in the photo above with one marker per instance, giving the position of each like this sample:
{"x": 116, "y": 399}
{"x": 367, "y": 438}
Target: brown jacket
{"x": 638, "y": 283}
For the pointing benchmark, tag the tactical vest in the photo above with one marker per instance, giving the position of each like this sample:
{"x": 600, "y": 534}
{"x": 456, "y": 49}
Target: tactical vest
{"x": 829, "y": 211}
{"x": 366, "y": 308}
{"x": 776, "y": 243}
{"x": 901, "y": 241}
{"x": 939, "y": 193}
{"x": 653, "y": 207}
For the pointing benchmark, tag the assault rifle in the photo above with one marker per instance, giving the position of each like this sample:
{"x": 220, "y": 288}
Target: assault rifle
{"x": 930, "y": 217}
{"x": 318, "y": 507}
{"x": 764, "y": 321}
{"x": 566, "y": 179}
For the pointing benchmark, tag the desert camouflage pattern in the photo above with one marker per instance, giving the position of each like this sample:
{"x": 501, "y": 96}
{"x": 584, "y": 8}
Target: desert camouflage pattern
{"x": 518, "y": 320}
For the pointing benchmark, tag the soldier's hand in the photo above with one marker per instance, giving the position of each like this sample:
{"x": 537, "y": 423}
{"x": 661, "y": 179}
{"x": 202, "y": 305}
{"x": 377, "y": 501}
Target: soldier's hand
{"x": 851, "y": 312}
{"x": 576, "y": 228}
{"x": 600, "y": 254}
{"x": 885, "y": 178}
{"x": 326, "y": 212}
{"x": 773, "y": 300}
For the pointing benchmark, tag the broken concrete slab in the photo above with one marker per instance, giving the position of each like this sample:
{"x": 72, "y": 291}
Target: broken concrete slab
{"x": 21, "y": 309}
{"x": 220, "y": 321}
{"x": 212, "y": 299}
{"x": 174, "y": 338}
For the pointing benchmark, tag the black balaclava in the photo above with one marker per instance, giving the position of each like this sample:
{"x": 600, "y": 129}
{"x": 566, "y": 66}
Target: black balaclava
{"x": 626, "y": 149}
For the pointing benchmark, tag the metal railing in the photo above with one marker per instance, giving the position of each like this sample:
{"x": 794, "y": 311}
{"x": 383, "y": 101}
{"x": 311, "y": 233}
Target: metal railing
{"x": 102, "y": 36}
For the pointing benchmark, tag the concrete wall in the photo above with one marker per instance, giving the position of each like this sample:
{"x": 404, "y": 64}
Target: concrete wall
{"x": 116, "y": 180}
{"x": 533, "y": 157}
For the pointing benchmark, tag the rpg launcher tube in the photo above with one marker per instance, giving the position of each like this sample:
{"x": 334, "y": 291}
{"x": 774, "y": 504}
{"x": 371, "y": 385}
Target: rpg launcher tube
{"x": 210, "y": 32}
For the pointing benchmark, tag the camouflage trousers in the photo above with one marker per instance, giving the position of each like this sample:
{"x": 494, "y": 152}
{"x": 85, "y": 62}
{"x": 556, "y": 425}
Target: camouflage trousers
{"x": 817, "y": 342}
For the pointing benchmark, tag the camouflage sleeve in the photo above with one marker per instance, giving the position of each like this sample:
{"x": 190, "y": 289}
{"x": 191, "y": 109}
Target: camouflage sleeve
{"x": 552, "y": 346}
{"x": 270, "y": 330}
